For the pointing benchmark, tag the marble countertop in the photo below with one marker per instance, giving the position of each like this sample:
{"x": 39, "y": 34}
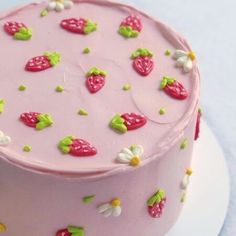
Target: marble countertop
{"x": 209, "y": 26}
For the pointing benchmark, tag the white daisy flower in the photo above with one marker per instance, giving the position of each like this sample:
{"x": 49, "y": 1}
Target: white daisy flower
{"x": 185, "y": 181}
{"x": 111, "y": 209}
{"x": 131, "y": 156}
{"x": 184, "y": 59}
{"x": 59, "y": 5}
{"x": 4, "y": 139}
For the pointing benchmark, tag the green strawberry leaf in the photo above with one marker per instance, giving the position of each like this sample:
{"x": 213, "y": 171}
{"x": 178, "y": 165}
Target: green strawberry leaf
{"x": 128, "y": 32}
{"x": 96, "y": 71}
{"x": 76, "y": 231}
{"x": 163, "y": 83}
{"x": 134, "y": 34}
{"x": 152, "y": 200}
{"x": 67, "y": 140}
{"x": 142, "y": 52}
{"x": 53, "y": 57}
{"x": 167, "y": 81}
{"x": 65, "y": 149}
{"x": 170, "y": 80}
{"x": 156, "y": 198}
{"x": 90, "y": 27}
{"x": 64, "y": 144}
{"x": 45, "y": 120}
{"x": 161, "y": 193}
{"x": 117, "y": 123}
{"x": 23, "y": 34}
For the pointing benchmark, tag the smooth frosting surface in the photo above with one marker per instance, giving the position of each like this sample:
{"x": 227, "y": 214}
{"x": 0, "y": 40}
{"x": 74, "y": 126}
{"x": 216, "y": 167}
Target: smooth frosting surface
{"x": 110, "y": 52}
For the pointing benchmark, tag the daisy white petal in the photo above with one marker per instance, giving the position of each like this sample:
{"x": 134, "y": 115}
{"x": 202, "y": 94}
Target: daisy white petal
{"x": 138, "y": 150}
{"x": 4, "y": 139}
{"x": 1, "y": 134}
{"x": 188, "y": 65}
{"x": 102, "y": 208}
{"x": 108, "y": 212}
{"x": 181, "y": 61}
{"x": 123, "y": 158}
{"x": 116, "y": 211}
{"x": 179, "y": 53}
{"x": 185, "y": 183}
{"x": 59, "y": 7}
{"x": 51, "y": 6}
{"x": 68, "y": 4}
{"x": 127, "y": 151}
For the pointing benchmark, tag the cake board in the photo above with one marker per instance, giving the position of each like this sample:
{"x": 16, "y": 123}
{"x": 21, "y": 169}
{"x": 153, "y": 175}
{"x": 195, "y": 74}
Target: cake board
{"x": 207, "y": 200}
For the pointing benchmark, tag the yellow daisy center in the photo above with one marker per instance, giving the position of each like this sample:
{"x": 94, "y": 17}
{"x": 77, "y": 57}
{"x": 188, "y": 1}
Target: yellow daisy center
{"x": 116, "y": 202}
{"x": 3, "y": 228}
{"x": 192, "y": 55}
{"x": 189, "y": 172}
{"x": 135, "y": 161}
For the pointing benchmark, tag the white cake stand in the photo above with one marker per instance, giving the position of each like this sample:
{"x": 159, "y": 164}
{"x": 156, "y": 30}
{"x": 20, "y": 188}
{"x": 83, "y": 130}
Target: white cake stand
{"x": 208, "y": 195}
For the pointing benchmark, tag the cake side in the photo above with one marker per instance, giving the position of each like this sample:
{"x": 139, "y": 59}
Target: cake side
{"x": 48, "y": 204}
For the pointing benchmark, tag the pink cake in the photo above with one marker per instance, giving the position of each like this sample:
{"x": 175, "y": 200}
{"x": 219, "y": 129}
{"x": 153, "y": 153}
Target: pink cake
{"x": 98, "y": 116}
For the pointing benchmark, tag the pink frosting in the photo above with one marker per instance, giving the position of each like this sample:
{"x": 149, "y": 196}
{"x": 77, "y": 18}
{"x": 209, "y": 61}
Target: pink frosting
{"x": 49, "y": 196}
{"x": 110, "y": 52}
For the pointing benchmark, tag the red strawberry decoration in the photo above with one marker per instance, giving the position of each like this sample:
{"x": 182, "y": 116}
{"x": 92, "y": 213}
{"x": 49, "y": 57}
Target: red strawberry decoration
{"x": 197, "y": 129}
{"x": 30, "y": 118}
{"x": 63, "y": 232}
{"x": 174, "y": 88}
{"x": 143, "y": 61}
{"x": 127, "y": 122}
{"x": 156, "y": 204}
{"x": 133, "y": 121}
{"x": 95, "y": 79}
{"x": 131, "y": 26}
{"x": 18, "y": 30}
{"x": 36, "y": 120}
{"x": 76, "y": 147}
{"x": 71, "y": 231}
{"x": 44, "y": 62}
{"x": 79, "y": 26}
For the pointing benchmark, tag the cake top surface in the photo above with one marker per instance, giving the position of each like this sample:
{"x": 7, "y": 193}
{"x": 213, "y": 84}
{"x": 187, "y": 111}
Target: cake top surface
{"x": 67, "y": 104}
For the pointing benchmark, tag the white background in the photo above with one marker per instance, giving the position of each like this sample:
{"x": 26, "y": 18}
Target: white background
{"x": 210, "y": 27}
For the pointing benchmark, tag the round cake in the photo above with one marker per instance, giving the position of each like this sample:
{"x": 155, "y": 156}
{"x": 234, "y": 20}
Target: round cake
{"x": 98, "y": 116}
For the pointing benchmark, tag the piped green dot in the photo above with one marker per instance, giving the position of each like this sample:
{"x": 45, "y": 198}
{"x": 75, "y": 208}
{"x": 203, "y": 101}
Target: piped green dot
{"x": 44, "y": 13}
{"x": 27, "y": 148}
{"x": 2, "y": 105}
{"x": 200, "y": 110}
{"x": 168, "y": 52}
{"x": 184, "y": 144}
{"x": 82, "y": 112}
{"x": 126, "y": 87}
{"x": 86, "y": 51}
{"x": 22, "y": 88}
{"x": 88, "y": 199}
{"x": 162, "y": 111}
{"x": 183, "y": 198}
{"x": 59, "y": 89}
